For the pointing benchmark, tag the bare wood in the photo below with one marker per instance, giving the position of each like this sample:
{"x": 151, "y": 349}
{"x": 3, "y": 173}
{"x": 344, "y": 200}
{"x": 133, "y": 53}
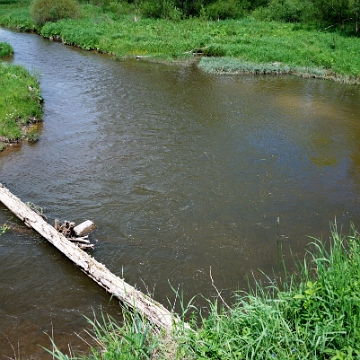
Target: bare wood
{"x": 84, "y": 228}
{"x": 127, "y": 294}
{"x": 82, "y": 239}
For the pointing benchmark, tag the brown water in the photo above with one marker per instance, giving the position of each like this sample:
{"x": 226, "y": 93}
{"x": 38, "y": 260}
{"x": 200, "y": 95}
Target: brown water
{"x": 180, "y": 170}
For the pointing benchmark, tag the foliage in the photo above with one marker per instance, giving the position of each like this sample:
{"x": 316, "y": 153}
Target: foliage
{"x": 287, "y": 11}
{"x": 43, "y": 11}
{"x": 17, "y": 17}
{"x": 164, "y": 9}
{"x": 20, "y": 101}
{"x": 6, "y": 49}
{"x": 231, "y": 9}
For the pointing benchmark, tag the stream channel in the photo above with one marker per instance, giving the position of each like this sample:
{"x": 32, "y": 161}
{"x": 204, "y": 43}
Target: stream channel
{"x": 180, "y": 170}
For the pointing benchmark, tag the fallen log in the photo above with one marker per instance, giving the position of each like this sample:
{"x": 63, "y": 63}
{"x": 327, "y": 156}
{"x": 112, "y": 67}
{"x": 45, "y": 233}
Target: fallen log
{"x": 117, "y": 287}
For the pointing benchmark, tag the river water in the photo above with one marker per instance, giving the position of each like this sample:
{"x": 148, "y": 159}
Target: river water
{"x": 180, "y": 170}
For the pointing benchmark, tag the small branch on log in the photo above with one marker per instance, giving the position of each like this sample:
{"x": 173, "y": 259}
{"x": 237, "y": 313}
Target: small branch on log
{"x": 82, "y": 239}
{"x": 85, "y": 246}
{"x": 218, "y": 292}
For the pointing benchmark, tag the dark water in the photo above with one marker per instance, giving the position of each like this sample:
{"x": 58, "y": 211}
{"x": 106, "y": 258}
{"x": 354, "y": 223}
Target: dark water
{"x": 179, "y": 169}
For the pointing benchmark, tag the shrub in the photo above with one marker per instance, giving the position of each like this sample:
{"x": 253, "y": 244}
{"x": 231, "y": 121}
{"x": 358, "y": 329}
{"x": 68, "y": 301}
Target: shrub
{"x": 164, "y": 9}
{"x": 226, "y": 9}
{"x": 43, "y": 11}
{"x": 5, "y": 49}
{"x": 214, "y": 50}
{"x": 286, "y": 10}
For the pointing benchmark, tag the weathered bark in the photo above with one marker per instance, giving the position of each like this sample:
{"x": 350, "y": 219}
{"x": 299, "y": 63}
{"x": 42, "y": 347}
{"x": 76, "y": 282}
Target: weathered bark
{"x": 127, "y": 294}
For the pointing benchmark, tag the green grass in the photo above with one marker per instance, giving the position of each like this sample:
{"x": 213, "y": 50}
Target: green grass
{"x": 314, "y": 314}
{"x": 245, "y": 41}
{"x": 20, "y": 103}
{"x": 5, "y": 49}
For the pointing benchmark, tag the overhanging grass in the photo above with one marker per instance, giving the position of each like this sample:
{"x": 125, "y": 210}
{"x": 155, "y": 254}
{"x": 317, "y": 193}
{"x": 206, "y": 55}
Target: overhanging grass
{"x": 20, "y": 102}
{"x": 313, "y": 315}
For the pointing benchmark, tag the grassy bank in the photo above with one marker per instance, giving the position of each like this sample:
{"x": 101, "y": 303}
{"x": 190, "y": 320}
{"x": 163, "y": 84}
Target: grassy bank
{"x": 233, "y": 46}
{"x": 20, "y": 102}
{"x": 314, "y": 314}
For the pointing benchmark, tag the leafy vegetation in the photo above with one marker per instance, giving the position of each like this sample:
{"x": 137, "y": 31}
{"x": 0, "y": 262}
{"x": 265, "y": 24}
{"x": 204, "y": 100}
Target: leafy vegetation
{"x": 43, "y": 11}
{"x": 314, "y": 314}
{"x": 6, "y": 49}
{"x": 20, "y": 102}
{"x": 327, "y": 12}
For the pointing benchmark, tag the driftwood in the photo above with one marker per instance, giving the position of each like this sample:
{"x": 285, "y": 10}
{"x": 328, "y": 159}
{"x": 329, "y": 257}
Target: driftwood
{"x": 127, "y": 294}
{"x": 68, "y": 229}
{"x": 84, "y": 228}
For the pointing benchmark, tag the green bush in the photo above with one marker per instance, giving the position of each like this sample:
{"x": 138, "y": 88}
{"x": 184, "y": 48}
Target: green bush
{"x": 286, "y": 10}
{"x": 226, "y": 9}
{"x": 164, "y": 9}
{"x": 214, "y": 50}
{"x": 5, "y": 49}
{"x": 43, "y": 11}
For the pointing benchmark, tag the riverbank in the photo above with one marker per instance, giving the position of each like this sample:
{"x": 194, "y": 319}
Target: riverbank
{"x": 20, "y": 102}
{"x": 229, "y": 46}
{"x": 313, "y": 315}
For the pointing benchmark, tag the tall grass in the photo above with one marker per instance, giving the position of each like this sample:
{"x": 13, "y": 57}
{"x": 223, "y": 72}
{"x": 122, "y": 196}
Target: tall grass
{"x": 20, "y": 102}
{"x": 314, "y": 314}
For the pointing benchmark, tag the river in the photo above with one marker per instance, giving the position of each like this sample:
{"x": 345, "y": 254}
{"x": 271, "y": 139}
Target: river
{"x": 180, "y": 170}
